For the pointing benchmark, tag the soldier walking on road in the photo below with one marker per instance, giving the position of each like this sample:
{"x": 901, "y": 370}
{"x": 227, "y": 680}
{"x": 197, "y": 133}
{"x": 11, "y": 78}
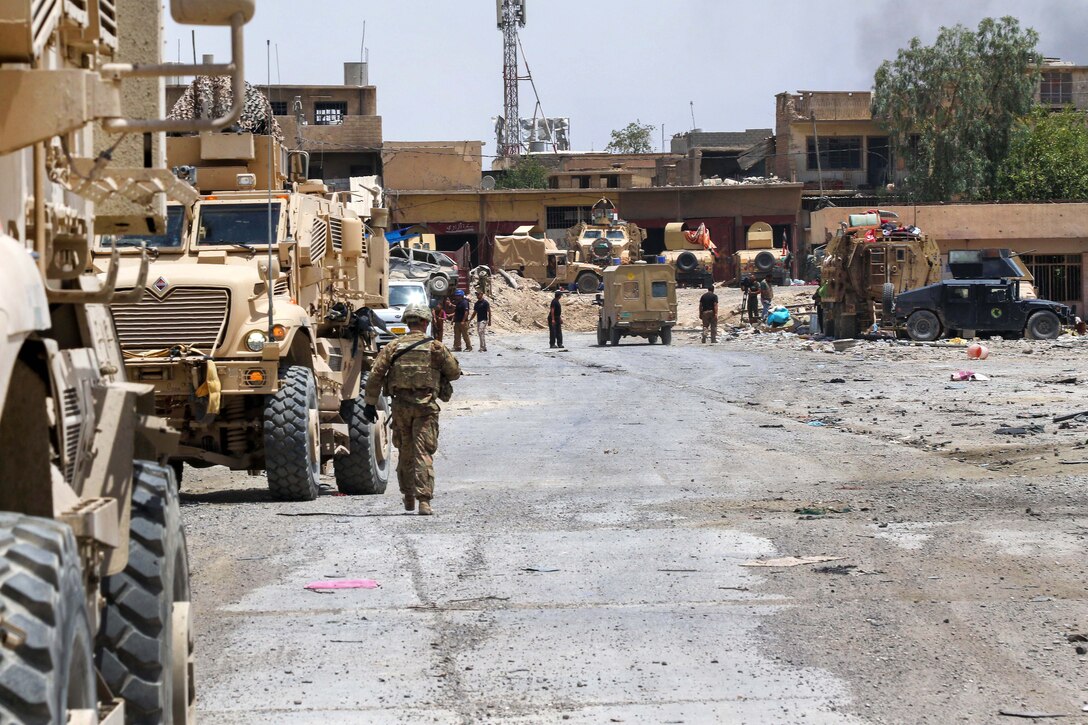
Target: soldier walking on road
{"x": 555, "y": 320}
{"x": 416, "y": 371}
{"x": 708, "y": 313}
{"x": 481, "y": 313}
{"x": 460, "y": 323}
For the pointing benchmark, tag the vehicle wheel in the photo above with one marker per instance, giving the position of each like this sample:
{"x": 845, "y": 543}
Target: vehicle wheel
{"x": 764, "y": 261}
{"x": 145, "y": 645}
{"x": 1043, "y": 325}
{"x": 887, "y": 299}
{"x": 923, "y": 326}
{"x": 588, "y": 283}
{"x": 614, "y": 335}
{"x": 365, "y": 470}
{"x": 438, "y": 285}
{"x": 687, "y": 262}
{"x": 652, "y": 339}
{"x": 666, "y": 335}
{"x": 292, "y": 437}
{"x": 602, "y": 336}
{"x": 41, "y": 593}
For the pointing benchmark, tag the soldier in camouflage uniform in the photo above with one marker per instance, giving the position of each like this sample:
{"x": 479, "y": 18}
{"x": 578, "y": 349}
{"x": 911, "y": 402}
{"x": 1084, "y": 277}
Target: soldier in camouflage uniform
{"x": 417, "y": 372}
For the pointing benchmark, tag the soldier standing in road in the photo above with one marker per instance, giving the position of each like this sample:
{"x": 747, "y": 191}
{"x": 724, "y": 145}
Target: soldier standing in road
{"x": 460, "y": 323}
{"x": 708, "y": 313}
{"x": 417, "y": 372}
{"x": 766, "y": 294}
{"x": 751, "y": 301}
{"x": 555, "y": 320}
{"x": 481, "y": 313}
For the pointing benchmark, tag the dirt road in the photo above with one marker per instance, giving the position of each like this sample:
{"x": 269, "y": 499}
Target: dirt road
{"x": 596, "y": 507}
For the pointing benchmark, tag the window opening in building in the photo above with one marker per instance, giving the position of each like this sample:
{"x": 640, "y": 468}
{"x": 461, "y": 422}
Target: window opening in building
{"x": 836, "y": 152}
{"x": 564, "y": 217}
{"x": 1057, "y": 276}
{"x": 582, "y": 182}
{"x": 878, "y": 161}
{"x": 612, "y": 181}
{"x": 330, "y": 113}
{"x": 279, "y": 108}
{"x": 1056, "y": 88}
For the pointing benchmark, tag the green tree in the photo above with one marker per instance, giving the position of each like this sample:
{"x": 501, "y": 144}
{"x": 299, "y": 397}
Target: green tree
{"x": 1047, "y": 160}
{"x": 635, "y": 138}
{"x": 950, "y": 108}
{"x": 527, "y": 173}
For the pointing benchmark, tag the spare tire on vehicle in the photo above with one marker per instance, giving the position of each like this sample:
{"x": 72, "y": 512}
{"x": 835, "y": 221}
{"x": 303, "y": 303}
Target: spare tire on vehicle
{"x": 764, "y": 261}
{"x": 438, "y": 285}
{"x": 687, "y": 262}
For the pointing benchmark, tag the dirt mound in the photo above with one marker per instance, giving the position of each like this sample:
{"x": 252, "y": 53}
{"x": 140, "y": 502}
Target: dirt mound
{"x": 525, "y": 308}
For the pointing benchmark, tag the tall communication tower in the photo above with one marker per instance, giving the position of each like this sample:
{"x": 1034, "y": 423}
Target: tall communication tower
{"x": 511, "y": 15}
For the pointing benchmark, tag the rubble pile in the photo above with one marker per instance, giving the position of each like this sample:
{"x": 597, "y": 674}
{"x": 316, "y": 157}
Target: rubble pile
{"x": 525, "y": 309}
{"x": 746, "y": 181}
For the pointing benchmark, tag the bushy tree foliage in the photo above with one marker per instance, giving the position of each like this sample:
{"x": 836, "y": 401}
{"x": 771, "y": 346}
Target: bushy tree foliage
{"x": 1048, "y": 158}
{"x": 527, "y": 173}
{"x": 635, "y": 138}
{"x": 950, "y": 108}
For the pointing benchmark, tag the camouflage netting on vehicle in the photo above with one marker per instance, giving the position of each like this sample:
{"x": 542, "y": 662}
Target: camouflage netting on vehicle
{"x": 212, "y": 97}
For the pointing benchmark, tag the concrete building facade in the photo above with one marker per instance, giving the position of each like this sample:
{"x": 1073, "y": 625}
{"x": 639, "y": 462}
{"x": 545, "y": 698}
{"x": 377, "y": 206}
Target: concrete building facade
{"x": 432, "y": 165}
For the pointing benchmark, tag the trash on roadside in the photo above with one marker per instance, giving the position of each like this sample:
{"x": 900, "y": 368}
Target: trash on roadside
{"x": 969, "y": 375}
{"x": 788, "y": 561}
{"x": 1029, "y": 715}
{"x": 817, "y": 423}
{"x": 1019, "y": 430}
{"x": 778, "y": 316}
{"x": 976, "y": 351}
{"x": 835, "y": 569}
{"x": 821, "y": 510}
{"x": 343, "y": 584}
{"x": 539, "y": 570}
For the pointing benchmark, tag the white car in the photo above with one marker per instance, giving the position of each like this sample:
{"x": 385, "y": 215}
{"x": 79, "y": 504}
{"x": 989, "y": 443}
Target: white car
{"x": 402, "y": 292}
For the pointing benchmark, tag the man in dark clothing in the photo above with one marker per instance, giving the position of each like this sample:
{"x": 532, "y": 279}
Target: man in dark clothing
{"x": 708, "y": 313}
{"x": 750, "y": 289}
{"x": 460, "y": 323}
{"x": 555, "y": 320}
{"x": 481, "y": 312}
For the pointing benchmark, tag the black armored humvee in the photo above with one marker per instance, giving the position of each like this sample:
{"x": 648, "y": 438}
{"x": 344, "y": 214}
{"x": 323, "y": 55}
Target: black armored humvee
{"x": 982, "y": 297}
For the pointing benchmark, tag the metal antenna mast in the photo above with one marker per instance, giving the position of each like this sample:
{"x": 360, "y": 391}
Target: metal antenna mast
{"x": 510, "y": 15}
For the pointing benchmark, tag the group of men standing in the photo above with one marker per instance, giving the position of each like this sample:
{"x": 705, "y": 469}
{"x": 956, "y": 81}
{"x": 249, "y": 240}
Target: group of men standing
{"x": 463, "y": 315}
{"x": 756, "y": 293}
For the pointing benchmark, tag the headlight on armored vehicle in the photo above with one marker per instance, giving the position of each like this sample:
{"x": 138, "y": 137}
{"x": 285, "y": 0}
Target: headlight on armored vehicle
{"x": 255, "y": 341}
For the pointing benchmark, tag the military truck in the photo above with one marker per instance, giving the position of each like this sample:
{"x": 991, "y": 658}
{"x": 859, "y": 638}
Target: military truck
{"x": 870, "y": 260}
{"x": 258, "y": 351}
{"x": 605, "y": 238}
{"x": 530, "y": 253}
{"x": 761, "y": 258}
{"x": 639, "y": 300}
{"x": 984, "y": 296}
{"x": 691, "y": 253}
{"x": 94, "y": 580}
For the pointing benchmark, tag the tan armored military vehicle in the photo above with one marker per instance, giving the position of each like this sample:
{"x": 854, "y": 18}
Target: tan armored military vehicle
{"x": 639, "y": 300}
{"x": 534, "y": 256}
{"x": 870, "y": 260}
{"x": 257, "y": 351}
{"x": 605, "y": 238}
{"x": 761, "y": 258}
{"x": 94, "y": 579}
{"x": 691, "y": 253}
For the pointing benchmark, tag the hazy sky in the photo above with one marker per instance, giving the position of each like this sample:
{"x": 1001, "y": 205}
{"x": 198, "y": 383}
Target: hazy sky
{"x": 603, "y": 63}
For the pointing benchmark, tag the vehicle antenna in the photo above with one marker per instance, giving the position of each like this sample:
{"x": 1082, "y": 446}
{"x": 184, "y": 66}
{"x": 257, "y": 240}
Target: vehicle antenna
{"x": 271, "y": 152}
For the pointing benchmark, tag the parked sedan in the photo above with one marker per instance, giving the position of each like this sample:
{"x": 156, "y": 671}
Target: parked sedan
{"x": 437, "y": 270}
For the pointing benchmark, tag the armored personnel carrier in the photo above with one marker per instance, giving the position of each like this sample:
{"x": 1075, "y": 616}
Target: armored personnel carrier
{"x": 256, "y": 327}
{"x": 639, "y": 300}
{"x": 605, "y": 238}
{"x": 691, "y": 253}
{"x": 94, "y": 579}
{"x": 531, "y": 254}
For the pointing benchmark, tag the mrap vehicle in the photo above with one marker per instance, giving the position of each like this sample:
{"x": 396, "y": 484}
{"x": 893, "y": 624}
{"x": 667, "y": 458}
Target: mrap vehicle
{"x": 638, "y": 300}
{"x": 983, "y": 297}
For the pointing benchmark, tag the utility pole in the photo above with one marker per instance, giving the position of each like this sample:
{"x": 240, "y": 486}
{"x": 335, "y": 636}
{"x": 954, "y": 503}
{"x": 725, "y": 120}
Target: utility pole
{"x": 510, "y": 16}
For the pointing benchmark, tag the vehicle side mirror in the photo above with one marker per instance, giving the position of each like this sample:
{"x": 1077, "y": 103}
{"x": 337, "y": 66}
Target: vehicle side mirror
{"x": 211, "y": 12}
{"x": 269, "y": 273}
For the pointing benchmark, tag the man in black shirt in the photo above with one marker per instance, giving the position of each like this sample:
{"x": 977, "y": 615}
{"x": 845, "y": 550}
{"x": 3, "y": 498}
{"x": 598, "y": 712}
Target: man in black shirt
{"x": 481, "y": 312}
{"x": 460, "y": 323}
{"x": 555, "y": 320}
{"x": 708, "y": 313}
{"x": 751, "y": 289}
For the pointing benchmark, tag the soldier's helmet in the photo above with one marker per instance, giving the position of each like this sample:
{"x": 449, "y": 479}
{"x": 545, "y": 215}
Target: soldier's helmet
{"x": 416, "y": 311}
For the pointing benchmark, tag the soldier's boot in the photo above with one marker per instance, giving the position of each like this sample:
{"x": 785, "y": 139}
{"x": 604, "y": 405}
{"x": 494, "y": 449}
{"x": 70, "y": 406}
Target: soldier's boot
{"x": 424, "y": 508}
{"x": 409, "y": 503}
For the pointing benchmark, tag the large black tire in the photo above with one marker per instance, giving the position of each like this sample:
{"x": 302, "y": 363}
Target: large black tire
{"x": 602, "y": 334}
{"x": 438, "y": 285}
{"x": 764, "y": 261}
{"x": 41, "y": 594}
{"x": 923, "y": 326}
{"x": 687, "y": 262}
{"x": 887, "y": 299}
{"x": 1043, "y": 325}
{"x": 365, "y": 470}
{"x": 292, "y": 437}
{"x": 666, "y": 335}
{"x": 614, "y": 335}
{"x": 145, "y": 643}
{"x": 588, "y": 283}
{"x": 652, "y": 339}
